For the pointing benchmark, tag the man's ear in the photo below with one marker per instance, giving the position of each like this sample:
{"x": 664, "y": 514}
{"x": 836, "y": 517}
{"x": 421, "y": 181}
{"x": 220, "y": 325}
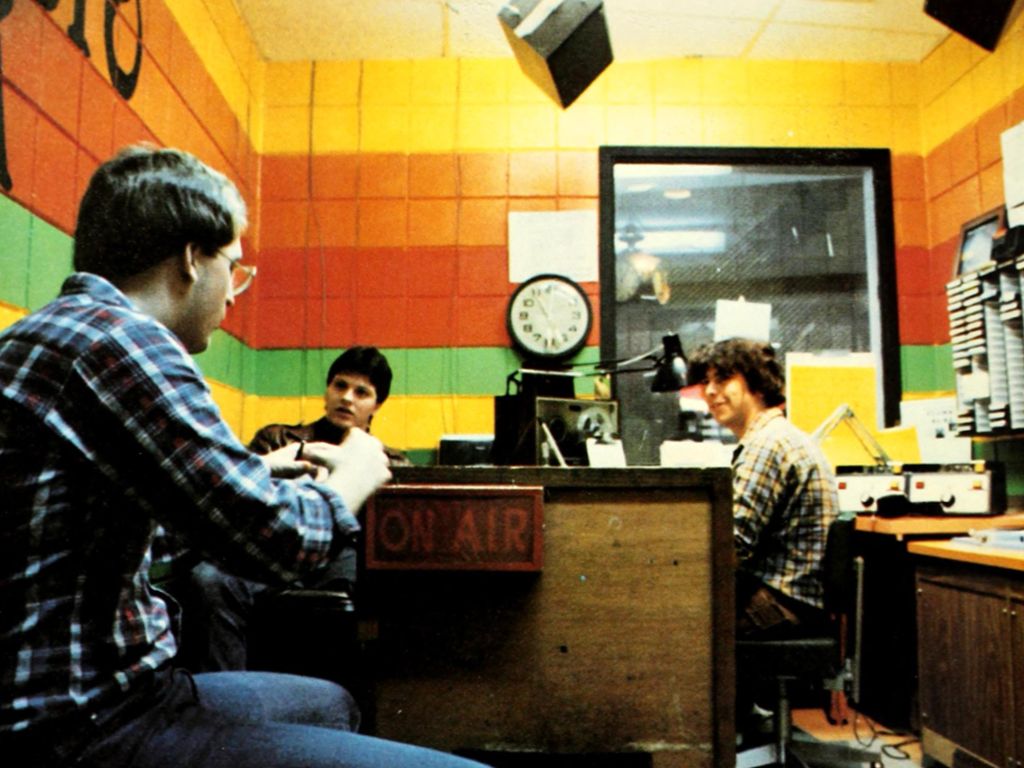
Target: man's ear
{"x": 187, "y": 263}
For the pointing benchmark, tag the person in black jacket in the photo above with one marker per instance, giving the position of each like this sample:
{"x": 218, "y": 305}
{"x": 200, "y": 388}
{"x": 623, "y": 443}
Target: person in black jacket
{"x": 358, "y": 384}
{"x": 219, "y": 608}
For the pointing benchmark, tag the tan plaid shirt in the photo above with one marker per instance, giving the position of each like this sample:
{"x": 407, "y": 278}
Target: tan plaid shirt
{"x": 784, "y": 499}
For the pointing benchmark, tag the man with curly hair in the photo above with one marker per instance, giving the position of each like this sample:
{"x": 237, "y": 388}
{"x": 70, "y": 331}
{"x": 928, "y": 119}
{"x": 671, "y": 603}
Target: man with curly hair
{"x": 784, "y": 492}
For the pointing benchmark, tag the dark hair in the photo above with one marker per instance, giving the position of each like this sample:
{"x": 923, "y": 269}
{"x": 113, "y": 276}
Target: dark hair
{"x": 367, "y": 361}
{"x": 146, "y": 204}
{"x": 754, "y": 360}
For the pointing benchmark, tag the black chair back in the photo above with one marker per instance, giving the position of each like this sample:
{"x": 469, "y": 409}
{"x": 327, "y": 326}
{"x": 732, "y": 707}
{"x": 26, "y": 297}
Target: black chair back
{"x": 839, "y": 576}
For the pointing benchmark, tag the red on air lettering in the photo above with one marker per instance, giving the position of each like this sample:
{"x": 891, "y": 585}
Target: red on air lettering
{"x": 468, "y": 528}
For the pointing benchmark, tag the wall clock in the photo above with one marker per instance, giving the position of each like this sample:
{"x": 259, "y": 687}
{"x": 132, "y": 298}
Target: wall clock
{"x": 549, "y": 317}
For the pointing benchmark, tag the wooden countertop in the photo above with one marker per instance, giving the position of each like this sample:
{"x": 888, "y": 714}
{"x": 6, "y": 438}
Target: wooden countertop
{"x": 569, "y": 477}
{"x": 947, "y": 525}
{"x": 995, "y": 557}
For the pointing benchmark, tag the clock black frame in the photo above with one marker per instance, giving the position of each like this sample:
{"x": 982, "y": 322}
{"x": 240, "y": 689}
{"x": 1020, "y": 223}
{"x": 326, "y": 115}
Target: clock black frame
{"x": 530, "y": 354}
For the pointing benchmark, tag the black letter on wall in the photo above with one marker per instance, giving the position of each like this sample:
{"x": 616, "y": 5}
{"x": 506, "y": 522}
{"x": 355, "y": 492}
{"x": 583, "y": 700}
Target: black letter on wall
{"x": 124, "y": 82}
{"x": 77, "y": 29}
{"x": 5, "y": 174}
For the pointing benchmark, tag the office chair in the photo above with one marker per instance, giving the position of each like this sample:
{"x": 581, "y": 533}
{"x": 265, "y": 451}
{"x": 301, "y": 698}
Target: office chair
{"x": 818, "y": 659}
{"x": 306, "y": 632}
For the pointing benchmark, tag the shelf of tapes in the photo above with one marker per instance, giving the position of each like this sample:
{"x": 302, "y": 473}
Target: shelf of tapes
{"x": 985, "y": 328}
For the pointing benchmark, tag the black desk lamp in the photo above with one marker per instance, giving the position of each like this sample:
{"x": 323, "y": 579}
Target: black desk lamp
{"x": 516, "y": 415}
{"x": 669, "y": 369}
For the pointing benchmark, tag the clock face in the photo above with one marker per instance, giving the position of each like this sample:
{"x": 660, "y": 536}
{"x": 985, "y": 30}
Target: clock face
{"x": 549, "y": 317}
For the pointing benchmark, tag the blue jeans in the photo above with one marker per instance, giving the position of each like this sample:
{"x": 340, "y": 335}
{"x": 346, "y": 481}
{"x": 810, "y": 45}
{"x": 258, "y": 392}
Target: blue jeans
{"x": 248, "y": 720}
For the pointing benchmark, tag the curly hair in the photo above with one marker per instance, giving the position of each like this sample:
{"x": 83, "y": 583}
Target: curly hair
{"x": 754, "y": 360}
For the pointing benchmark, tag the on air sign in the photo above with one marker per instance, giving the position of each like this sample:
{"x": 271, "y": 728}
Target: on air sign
{"x": 482, "y": 528}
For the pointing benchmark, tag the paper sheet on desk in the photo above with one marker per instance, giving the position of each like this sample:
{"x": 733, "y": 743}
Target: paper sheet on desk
{"x": 696, "y": 453}
{"x": 843, "y": 448}
{"x": 609, "y": 454}
{"x": 994, "y": 537}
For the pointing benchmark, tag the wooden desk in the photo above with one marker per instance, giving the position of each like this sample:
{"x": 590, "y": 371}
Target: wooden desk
{"x": 970, "y": 600}
{"x": 888, "y": 691}
{"x": 994, "y": 557}
{"x": 946, "y": 525}
{"x": 622, "y": 642}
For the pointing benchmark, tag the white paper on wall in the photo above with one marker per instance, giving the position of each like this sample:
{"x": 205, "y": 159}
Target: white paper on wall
{"x": 558, "y": 242}
{"x": 742, "y": 319}
{"x": 1012, "y": 140}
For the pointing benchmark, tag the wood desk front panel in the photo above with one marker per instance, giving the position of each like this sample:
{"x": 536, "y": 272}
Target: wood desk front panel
{"x": 889, "y": 684}
{"x": 971, "y": 652}
{"x": 623, "y": 642}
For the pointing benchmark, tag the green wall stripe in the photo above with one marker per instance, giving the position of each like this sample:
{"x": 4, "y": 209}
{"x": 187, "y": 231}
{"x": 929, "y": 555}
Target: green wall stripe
{"x": 434, "y": 371}
{"x": 35, "y": 256}
{"x": 926, "y": 368}
{"x": 463, "y": 370}
{"x": 224, "y": 360}
{"x": 422, "y": 457}
{"x": 15, "y": 230}
{"x": 49, "y": 262}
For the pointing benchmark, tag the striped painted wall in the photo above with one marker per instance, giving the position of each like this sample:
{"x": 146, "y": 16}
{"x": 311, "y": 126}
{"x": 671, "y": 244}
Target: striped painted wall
{"x": 380, "y": 189}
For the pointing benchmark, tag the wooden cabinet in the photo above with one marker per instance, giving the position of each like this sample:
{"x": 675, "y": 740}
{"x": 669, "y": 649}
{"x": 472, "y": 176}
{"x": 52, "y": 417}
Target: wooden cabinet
{"x": 971, "y": 662}
{"x": 888, "y": 683}
{"x": 1017, "y": 680}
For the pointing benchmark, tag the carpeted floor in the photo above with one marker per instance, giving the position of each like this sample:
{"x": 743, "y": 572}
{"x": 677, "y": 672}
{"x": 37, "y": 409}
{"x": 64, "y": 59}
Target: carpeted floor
{"x": 538, "y": 760}
{"x": 899, "y": 750}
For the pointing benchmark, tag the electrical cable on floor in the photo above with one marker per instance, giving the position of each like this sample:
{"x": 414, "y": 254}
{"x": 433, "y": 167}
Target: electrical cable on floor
{"x": 893, "y": 751}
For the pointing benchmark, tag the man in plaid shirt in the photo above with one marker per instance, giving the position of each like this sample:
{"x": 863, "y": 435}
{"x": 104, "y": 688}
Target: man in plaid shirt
{"x": 107, "y": 431}
{"x": 784, "y": 493}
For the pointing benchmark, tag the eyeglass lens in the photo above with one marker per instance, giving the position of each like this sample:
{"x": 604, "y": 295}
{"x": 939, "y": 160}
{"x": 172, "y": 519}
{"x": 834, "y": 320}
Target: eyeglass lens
{"x": 241, "y": 278}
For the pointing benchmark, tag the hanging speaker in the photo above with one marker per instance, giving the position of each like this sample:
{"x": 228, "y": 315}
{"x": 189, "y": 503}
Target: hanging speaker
{"x": 561, "y": 45}
{"x": 980, "y": 21}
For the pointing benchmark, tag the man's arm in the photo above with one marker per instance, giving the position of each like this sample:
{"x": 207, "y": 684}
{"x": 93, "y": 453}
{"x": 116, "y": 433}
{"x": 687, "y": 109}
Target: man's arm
{"x": 757, "y": 485}
{"x": 166, "y": 447}
{"x": 274, "y": 436}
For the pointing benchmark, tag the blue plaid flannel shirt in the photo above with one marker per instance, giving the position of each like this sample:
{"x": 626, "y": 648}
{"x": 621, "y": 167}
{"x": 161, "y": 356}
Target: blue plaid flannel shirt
{"x": 107, "y": 431}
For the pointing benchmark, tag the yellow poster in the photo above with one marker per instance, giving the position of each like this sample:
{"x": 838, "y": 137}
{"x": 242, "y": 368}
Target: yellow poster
{"x": 817, "y": 385}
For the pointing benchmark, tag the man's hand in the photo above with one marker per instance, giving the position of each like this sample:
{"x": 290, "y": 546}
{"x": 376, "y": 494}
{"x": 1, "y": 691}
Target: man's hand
{"x": 283, "y": 462}
{"x": 355, "y": 469}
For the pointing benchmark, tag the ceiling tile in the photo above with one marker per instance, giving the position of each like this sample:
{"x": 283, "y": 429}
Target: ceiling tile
{"x": 638, "y": 36}
{"x": 895, "y": 15}
{"x": 345, "y": 29}
{"x": 805, "y": 42}
{"x": 340, "y": 30}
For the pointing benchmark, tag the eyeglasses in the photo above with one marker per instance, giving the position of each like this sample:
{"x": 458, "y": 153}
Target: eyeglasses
{"x": 242, "y": 275}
